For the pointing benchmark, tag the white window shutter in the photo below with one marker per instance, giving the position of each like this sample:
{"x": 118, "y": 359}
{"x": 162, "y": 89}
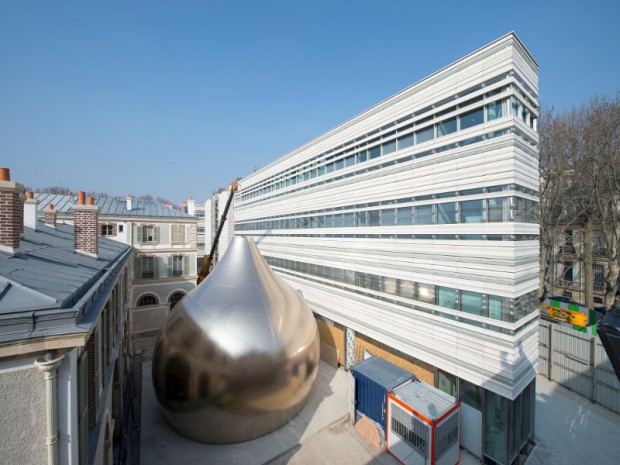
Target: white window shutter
{"x": 170, "y": 266}
{"x": 185, "y": 265}
{"x": 156, "y": 234}
{"x": 138, "y": 237}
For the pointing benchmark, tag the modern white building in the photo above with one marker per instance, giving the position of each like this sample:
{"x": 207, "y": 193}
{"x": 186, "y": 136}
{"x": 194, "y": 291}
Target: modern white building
{"x": 164, "y": 267}
{"x": 412, "y": 231}
{"x": 214, "y": 209}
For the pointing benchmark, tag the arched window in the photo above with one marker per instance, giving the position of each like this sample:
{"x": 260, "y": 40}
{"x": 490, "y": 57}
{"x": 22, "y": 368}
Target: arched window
{"x": 174, "y": 298}
{"x": 148, "y": 299}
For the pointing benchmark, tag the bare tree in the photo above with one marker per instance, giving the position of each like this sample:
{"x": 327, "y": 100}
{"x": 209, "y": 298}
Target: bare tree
{"x": 580, "y": 190}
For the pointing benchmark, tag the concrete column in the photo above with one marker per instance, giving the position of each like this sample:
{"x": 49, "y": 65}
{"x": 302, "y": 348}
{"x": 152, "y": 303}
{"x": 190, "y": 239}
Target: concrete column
{"x": 49, "y": 364}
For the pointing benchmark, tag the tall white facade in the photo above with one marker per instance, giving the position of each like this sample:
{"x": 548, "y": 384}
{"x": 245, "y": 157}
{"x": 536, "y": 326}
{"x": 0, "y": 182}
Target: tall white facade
{"x": 415, "y": 224}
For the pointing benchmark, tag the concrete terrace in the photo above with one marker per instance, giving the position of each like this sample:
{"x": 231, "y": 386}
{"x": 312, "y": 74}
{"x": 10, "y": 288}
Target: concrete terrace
{"x": 569, "y": 429}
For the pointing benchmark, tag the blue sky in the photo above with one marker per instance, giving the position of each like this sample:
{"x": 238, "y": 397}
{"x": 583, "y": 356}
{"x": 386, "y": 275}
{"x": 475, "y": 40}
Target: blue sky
{"x": 178, "y": 97}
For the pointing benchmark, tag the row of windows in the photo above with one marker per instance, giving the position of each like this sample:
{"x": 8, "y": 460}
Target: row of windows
{"x": 494, "y": 210}
{"x": 405, "y": 200}
{"x": 418, "y": 120}
{"x": 151, "y": 299}
{"x": 475, "y": 303}
{"x": 461, "y": 122}
{"x": 408, "y": 158}
{"x": 149, "y": 234}
{"x": 442, "y": 237}
{"x": 148, "y": 267}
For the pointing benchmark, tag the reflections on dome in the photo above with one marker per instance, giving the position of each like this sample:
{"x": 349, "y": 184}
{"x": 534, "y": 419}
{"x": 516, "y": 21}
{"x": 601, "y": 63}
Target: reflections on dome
{"x": 237, "y": 358}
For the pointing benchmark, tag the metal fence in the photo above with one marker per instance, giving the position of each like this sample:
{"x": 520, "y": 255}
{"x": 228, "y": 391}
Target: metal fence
{"x": 578, "y": 361}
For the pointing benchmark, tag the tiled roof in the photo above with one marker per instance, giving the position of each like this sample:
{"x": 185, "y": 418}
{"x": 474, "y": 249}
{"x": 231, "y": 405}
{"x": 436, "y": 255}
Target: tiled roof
{"x": 109, "y": 206}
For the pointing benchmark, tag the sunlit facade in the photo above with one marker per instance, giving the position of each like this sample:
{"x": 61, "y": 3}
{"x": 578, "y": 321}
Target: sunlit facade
{"x": 415, "y": 225}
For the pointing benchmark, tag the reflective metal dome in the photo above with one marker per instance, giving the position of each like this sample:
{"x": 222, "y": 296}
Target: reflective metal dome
{"x": 237, "y": 358}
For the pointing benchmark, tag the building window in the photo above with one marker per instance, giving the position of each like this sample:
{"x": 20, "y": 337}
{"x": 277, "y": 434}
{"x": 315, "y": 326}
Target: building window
{"x": 178, "y": 233}
{"x": 404, "y": 142}
{"x": 494, "y": 110}
{"x": 446, "y": 127}
{"x": 472, "y": 118}
{"x": 446, "y": 297}
{"x": 146, "y": 267}
{"x": 107, "y": 230}
{"x": 599, "y": 277}
{"x": 178, "y": 265}
{"x": 175, "y": 298}
{"x": 424, "y": 214}
{"x": 471, "y": 211}
{"x": 446, "y": 383}
{"x": 424, "y": 135}
{"x": 148, "y": 234}
{"x": 147, "y": 300}
{"x": 446, "y": 213}
{"x": 471, "y": 302}
{"x": 567, "y": 274}
{"x": 120, "y": 228}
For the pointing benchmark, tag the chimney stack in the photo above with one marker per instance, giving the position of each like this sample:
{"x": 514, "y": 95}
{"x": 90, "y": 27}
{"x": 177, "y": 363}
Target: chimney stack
{"x": 184, "y": 207}
{"x": 129, "y": 202}
{"x": 30, "y": 211}
{"x": 191, "y": 206}
{"x": 11, "y": 212}
{"x": 50, "y": 216}
{"x": 85, "y": 225}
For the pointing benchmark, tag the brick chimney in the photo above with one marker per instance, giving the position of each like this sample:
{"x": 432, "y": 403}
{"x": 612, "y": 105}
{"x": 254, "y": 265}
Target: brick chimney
{"x": 191, "y": 206}
{"x": 22, "y": 199}
{"x": 30, "y": 211}
{"x": 85, "y": 225}
{"x": 129, "y": 202}
{"x": 50, "y": 216}
{"x": 11, "y": 212}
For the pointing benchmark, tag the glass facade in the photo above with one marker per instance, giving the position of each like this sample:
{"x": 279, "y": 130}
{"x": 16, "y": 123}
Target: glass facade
{"x": 483, "y": 305}
{"x": 508, "y": 425}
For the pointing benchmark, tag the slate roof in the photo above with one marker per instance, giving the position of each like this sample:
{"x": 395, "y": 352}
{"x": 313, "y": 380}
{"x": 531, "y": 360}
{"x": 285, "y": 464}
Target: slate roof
{"x": 48, "y": 273}
{"x": 109, "y": 206}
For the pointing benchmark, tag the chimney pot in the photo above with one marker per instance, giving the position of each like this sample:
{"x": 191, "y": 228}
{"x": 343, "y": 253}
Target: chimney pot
{"x": 30, "y": 211}
{"x": 91, "y": 200}
{"x": 129, "y": 202}
{"x": 5, "y": 174}
{"x": 50, "y": 216}
{"x": 81, "y": 198}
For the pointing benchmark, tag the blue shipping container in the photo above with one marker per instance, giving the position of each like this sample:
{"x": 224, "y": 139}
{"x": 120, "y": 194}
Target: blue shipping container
{"x": 374, "y": 378}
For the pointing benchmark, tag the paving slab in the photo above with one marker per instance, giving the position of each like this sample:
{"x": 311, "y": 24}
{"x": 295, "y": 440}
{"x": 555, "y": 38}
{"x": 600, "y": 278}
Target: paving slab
{"x": 572, "y": 429}
{"x": 161, "y": 444}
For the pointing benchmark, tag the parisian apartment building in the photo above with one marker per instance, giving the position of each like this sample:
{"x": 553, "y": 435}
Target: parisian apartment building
{"x": 66, "y": 358}
{"x": 412, "y": 231}
{"x": 572, "y": 264}
{"x": 163, "y": 268}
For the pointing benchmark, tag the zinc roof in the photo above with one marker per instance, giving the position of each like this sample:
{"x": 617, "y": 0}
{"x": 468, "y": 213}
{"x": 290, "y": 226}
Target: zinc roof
{"x": 110, "y": 206}
{"x": 48, "y": 273}
{"x": 425, "y": 399}
{"x": 382, "y": 372}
